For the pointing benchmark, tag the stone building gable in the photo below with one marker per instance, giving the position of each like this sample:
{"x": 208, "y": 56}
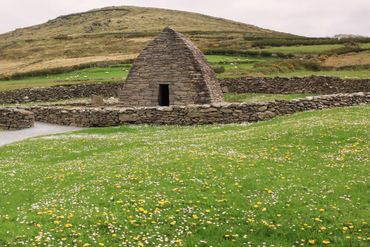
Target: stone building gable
{"x": 171, "y": 65}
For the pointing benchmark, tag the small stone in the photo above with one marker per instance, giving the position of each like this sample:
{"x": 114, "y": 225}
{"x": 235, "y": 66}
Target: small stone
{"x": 97, "y": 100}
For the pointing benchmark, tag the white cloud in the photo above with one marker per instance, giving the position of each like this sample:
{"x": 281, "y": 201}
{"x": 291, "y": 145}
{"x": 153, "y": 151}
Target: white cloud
{"x": 311, "y": 18}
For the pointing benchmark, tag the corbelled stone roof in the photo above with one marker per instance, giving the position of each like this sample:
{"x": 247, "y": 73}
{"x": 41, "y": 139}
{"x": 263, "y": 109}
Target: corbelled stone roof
{"x": 172, "y": 60}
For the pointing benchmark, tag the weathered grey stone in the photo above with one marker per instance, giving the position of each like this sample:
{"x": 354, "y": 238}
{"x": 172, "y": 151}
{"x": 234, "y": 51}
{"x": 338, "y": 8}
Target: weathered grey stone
{"x": 13, "y": 118}
{"x": 97, "y": 100}
{"x": 262, "y": 108}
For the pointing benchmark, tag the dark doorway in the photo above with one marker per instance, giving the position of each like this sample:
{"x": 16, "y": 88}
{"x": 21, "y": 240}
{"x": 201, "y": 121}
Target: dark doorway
{"x": 164, "y": 95}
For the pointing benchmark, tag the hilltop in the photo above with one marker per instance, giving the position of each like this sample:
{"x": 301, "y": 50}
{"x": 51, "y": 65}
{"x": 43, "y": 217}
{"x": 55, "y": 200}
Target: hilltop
{"x": 114, "y": 34}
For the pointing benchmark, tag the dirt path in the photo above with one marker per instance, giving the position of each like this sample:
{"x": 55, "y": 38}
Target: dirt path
{"x": 7, "y": 137}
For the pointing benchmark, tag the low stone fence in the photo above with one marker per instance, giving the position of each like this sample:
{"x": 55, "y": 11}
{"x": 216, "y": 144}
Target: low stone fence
{"x": 194, "y": 114}
{"x": 12, "y": 118}
{"x": 58, "y": 93}
{"x": 313, "y": 84}
{"x": 316, "y": 85}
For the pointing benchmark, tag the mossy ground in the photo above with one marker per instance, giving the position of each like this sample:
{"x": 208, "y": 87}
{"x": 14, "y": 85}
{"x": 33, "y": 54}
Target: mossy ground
{"x": 290, "y": 181}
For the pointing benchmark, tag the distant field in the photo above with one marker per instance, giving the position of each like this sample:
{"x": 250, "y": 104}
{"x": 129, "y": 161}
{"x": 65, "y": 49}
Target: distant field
{"x": 91, "y": 75}
{"x": 351, "y": 74}
{"x": 214, "y": 59}
{"x": 290, "y": 181}
{"x": 365, "y": 46}
{"x": 308, "y": 49}
{"x": 235, "y": 66}
{"x": 350, "y": 59}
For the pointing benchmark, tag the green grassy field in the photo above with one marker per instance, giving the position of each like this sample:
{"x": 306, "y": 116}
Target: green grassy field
{"x": 90, "y": 75}
{"x": 290, "y": 181}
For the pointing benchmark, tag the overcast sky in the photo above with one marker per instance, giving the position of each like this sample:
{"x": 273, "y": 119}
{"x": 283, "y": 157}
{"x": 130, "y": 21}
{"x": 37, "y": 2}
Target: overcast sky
{"x": 304, "y": 17}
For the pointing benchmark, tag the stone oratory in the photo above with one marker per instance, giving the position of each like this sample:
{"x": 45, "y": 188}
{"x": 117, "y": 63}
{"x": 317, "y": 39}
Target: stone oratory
{"x": 171, "y": 70}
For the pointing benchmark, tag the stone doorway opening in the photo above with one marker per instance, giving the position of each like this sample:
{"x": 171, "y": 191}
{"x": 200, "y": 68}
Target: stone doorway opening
{"x": 164, "y": 95}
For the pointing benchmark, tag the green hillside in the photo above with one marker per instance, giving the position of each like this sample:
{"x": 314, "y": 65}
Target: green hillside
{"x": 113, "y": 34}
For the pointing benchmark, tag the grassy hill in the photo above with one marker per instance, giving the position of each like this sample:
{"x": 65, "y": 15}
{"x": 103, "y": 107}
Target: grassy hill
{"x": 113, "y": 34}
{"x": 296, "y": 180}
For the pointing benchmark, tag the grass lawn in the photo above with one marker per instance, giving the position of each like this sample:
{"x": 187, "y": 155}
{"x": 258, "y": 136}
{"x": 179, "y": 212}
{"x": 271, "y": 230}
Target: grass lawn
{"x": 283, "y": 182}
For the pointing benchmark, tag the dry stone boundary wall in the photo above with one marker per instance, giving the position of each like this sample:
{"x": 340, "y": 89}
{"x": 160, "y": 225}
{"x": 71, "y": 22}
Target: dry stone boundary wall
{"x": 12, "y": 118}
{"x": 318, "y": 85}
{"x": 55, "y": 93}
{"x": 192, "y": 114}
{"x": 315, "y": 84}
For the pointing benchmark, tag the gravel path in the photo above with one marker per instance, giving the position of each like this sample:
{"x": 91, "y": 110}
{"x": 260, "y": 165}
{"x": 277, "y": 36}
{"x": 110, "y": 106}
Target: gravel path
{"x": 40, "y": 129}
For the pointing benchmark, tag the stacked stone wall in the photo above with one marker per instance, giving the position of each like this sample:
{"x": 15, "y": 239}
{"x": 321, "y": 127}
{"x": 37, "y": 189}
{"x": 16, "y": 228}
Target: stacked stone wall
{"x": 55, "y": 93}
{"x": 315, "y": 85}
{"x": 12, "y": 118}
{"x": 192, "y": 114}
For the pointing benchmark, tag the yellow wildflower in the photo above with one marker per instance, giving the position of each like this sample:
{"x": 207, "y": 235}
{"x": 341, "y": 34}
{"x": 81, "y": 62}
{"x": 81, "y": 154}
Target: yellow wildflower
{"x": 326, "y": 242}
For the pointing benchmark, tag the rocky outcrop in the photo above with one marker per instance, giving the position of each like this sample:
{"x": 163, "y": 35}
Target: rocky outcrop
{"x": 192, "y": 114}
{"x": 12, "y": 118}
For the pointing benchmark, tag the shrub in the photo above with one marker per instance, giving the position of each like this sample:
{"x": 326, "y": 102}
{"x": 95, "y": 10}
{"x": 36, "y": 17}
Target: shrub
{"x": 219, "y": 69}
{"x": 62, "y": 37}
